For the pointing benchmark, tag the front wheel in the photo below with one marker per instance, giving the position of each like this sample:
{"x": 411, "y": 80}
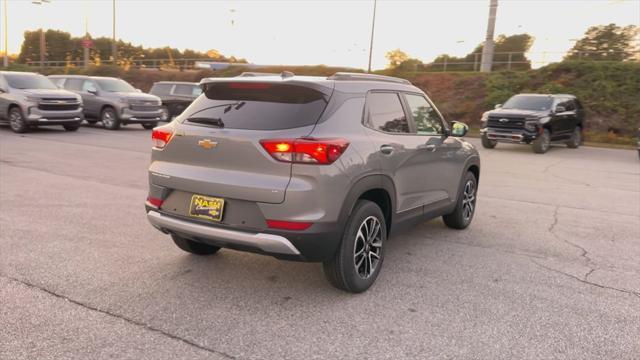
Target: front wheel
{"x": 356, "y": 264}
{"x": 488, "y": 143}
{"x": 542, "y": 144}
{"x": 110, "y": 119}
{"x": 576, "y": 138}
{"x": 194, "y": 247}
{"x": 17, "y": 121}
{"x": 149, "y": 126}
{"x": 462, "y": 215}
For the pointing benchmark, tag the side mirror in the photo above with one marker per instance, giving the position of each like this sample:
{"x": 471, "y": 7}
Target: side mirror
{"x": 138, "y": 90}
{"x": 560, "y": 109}
{"x": 459, "y": 129}
{"x": 92, "y": 91}
{"x": 498, "y": 106}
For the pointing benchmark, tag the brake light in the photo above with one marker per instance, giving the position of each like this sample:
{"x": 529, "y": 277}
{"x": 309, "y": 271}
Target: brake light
{"x": 161, "y": 137}
{"x": 288, "y": 225}
{"x": 305, "y": 150}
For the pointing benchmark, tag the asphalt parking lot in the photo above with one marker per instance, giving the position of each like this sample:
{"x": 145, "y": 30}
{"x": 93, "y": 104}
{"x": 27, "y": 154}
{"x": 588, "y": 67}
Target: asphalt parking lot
{"x": 550, "y": 267}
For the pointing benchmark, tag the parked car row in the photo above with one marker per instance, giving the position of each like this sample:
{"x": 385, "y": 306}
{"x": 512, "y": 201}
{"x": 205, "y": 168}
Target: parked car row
{"x": 30, "y": 100}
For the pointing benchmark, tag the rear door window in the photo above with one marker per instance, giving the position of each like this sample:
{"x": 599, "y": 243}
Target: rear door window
{"x": 187, "y": 90}
{"x": 385, "y": 113}
{"x": 257, "y": 106}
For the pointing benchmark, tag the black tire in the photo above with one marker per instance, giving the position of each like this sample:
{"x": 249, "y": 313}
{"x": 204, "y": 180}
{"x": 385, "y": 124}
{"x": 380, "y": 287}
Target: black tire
{"x": 74, "y": 127}
{"x": 576, "y": 138}
{"x": 542, "y": 143}
{"x": 488, "y": 143}
{"x": 109, "y": 118}
{"x": 462, "y": 215}
{"x": 166, "y": 114}
{"x": 149, "y": 126}
{"x": 343, "y": 270}
{"x": 194, "y": 247}
{"x": 17, "y": 121}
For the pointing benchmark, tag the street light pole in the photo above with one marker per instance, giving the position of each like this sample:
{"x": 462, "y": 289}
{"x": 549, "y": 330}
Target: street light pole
{"x": 373, "y": 27}
{"x": 487, "y": 50}
{"x": 43, "y": 43}
{"x": 5, "y": 61}
{"x": 114, "y": 47}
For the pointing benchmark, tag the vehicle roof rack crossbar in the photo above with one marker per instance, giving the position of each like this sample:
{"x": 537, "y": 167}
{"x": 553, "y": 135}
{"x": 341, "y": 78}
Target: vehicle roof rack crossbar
{"x": 366, "y": 77}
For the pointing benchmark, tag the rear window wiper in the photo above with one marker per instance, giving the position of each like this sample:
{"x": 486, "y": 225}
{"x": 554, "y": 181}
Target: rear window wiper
{"x": 207, "y": 120}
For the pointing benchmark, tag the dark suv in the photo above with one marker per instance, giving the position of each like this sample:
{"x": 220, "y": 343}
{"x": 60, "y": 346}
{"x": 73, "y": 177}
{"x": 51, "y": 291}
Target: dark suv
{"x": 309, "y": 168}
{"x": 175, "y": 95}
{"x": 534, "y": 119}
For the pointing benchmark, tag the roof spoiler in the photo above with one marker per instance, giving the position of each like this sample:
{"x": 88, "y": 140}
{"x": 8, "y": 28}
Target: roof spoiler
{"x": 347, "y": 76}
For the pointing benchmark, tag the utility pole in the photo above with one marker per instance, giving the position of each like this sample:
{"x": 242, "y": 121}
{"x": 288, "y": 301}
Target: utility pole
{"x": 373, "y": 27}
{"x": 5, "y": 61}
{"x": 42, "y": 47}
{"x": 86, "y": 45}
{"x": 487, "y": 50}
{"x": 114, "y": 47}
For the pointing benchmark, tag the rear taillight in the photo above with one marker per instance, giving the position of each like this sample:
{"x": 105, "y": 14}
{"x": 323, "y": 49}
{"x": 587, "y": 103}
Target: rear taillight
{"x": 305, "y": 150}
{"x": 161, "y": 137}
{"x": 155, "y": 202}
{"x": 288, "y": 225}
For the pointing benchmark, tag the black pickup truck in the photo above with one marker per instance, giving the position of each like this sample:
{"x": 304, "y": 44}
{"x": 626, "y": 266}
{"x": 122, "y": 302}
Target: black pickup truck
{"x": 175, "y": 95}
{"x": 536, "y": 119}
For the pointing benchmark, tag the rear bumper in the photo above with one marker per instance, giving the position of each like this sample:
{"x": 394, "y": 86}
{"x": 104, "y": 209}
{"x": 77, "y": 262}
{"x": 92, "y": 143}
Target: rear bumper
{"x": 318, "y": 244}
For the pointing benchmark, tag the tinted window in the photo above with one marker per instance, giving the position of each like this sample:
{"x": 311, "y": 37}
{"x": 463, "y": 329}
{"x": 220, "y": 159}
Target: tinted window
{"x": 115, "y": 85}
{"x": 525, "y": 102}
{"x": 568, "y": 104}
{"x": 427, "y": 120}
{"x": 73, "y": 84}
{"x": 385, "y": 113}
{"x": 189, "y": 90}
{"x": 257, "y": 106}
{"x": 28, "y": 81}
{"x": 161, "y": 89}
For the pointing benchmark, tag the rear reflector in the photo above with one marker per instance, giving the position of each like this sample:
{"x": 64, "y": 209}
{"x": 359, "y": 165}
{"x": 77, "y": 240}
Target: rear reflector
{"x": 288, "y": 225}
{"x": 305, "y": 150}
{"x": 161, "y": 137}
{"x": 155, "y": 202}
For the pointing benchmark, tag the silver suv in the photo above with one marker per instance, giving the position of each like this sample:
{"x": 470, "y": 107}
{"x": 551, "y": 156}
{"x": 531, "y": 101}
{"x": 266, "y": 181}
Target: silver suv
{"x": 29, "y": 100}
{"x": 309, "y": 168}
{"x": 113, "y": 101}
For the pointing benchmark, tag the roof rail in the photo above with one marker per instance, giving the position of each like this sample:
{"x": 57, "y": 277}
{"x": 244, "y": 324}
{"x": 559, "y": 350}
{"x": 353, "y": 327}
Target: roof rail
{"x": 366, "y": 77}
{"x": 284, "y": 74}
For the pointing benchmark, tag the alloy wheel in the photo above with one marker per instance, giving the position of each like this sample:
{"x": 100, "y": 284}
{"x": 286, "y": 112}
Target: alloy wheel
{"x": 468, "y": 200}
{"x": 107, "y": 119}
{"x": 367, "y": 251}
{"x": 15, "y": 120}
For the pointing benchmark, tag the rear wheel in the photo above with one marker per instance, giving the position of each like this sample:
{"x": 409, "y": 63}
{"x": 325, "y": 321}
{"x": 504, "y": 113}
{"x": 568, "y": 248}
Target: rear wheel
{"x": 16, "y": 121}
{"x": 110, "y": 119}
{"x": 357, "y": 263}
{"x": 194, "y": 247}
{"x": 461, "y": 217}
{"x": 488, "y": 143}
{"x": 74, "y": 127}
{"x": 542, "y": 143}
{"x": 576, "y": 138}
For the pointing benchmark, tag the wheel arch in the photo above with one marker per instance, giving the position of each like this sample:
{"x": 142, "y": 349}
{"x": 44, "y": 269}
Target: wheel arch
{"x": 376, "y": 188}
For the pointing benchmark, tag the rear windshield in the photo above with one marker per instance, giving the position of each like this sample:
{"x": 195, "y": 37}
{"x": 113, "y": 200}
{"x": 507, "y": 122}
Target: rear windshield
{"x": 29, "y": 81}
{"x": 257, "y": 106}
{"x": 524, "y": 102}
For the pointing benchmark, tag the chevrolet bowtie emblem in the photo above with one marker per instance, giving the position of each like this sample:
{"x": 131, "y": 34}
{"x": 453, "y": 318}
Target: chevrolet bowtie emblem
{"x": 504, "y": 120}
{"x": 207, "y": 144}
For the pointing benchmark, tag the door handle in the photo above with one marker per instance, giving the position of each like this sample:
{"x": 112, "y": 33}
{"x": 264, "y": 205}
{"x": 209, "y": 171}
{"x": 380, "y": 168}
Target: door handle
{"x": 386, "y": 149}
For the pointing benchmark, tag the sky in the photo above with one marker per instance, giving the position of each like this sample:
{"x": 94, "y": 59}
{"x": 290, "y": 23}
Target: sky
{"x": 329, "y": 32}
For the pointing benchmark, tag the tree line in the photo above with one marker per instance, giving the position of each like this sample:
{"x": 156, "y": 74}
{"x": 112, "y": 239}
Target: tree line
{"x": 61, "y": 46}
{"x": 603, "y": 42}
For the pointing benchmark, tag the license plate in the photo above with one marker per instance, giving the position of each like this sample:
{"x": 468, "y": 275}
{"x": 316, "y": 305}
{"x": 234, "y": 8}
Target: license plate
{"x": 206, "y": 207}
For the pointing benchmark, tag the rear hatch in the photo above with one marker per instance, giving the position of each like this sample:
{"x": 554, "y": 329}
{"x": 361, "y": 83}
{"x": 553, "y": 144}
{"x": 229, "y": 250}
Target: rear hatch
{"x": 215, "y": 149}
